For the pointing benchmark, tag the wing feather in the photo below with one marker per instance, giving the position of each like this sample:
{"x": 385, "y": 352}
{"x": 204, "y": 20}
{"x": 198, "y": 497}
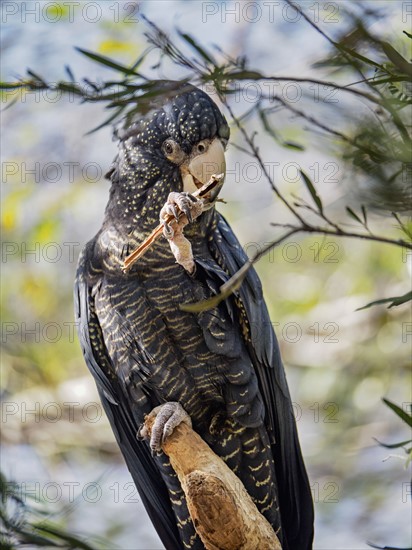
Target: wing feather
{"x": 294, "y": 491}
{"x": 146, "y": 475}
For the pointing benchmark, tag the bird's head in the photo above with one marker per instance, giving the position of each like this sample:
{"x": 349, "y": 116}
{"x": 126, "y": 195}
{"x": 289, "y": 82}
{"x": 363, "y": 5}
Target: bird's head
{"x": 174, "y": 142}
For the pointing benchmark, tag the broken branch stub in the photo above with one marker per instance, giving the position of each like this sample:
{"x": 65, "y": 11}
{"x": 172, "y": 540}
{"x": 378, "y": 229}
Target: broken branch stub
{"x": 223, "y": 513}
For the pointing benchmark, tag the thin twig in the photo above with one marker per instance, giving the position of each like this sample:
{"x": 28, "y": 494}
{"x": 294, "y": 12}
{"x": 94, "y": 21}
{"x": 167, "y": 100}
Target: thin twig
{"x": 383, "y": 102}
{"x": 234, "y": 283}
{"x": 202, "y": 193}
{"x": 256, "y": 154}
{"x": 344, "y": 88}
{"x": 307, "y": 228}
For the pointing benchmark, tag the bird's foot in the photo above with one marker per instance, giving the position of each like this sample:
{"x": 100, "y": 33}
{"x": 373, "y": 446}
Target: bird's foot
{"x": 184, "y": 208}
{"x": 177, "y": 204}
{"x": 166, "y": 418}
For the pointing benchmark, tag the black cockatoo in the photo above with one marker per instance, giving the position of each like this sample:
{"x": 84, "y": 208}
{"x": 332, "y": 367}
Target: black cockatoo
{"x": 221, "y": 367}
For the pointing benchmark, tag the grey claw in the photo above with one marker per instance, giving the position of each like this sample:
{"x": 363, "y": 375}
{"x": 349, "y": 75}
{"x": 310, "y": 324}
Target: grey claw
{"x": 168, "y": 231}
{"x": 187, "y": 213}
{"x": 140, "y": 436}
{"x": 175, "y": 212}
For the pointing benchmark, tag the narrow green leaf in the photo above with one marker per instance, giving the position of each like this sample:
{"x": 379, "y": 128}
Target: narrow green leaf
{"x": 244, "y": 75}
{"x": 139, "y": 60}
{"x": 103, "y": 60}
{"x": 407, "y": 34}
{"x": 396, "y": 58}
{"x": 266, "y": 124}
{"x": 91, "y": 84}
{"x": 107, "y": 121}
{"x": 387, "y": 547}
{"x": 69, "y": 72}
{"x": 399, "y": 300}
{"x": 312, "y": 190}
{"x": 113, "y": 96}
{"x": 270, "y": 130}
{"x": 72, "y": 540}
{"x": 400, "y": 412}
{"x": 228, "y": 288}
{"x": 360, "y": 57}
{"x": 11, "y": 85}
{"x": 293, "y": 145}
{"x": 198, "y": 48}
{"x": 393, "y": 445}
{"x": 353, "y": 215}
{"x": 27, "y": 537}
{"x": 36, "y": 77}
{"x": 392, "y": 79}
{"x": 393, "y": 302}
{"x": 12, "y": 102}
{"x": 403, "y": 227}
{"x": 70, "y": 88}
{"x": 365, "y": 218}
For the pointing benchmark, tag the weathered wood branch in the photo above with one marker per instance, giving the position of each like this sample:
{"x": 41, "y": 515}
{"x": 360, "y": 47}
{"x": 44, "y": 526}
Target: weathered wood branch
{"x": 223, "y": 513}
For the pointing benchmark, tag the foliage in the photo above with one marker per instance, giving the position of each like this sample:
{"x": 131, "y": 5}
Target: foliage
{"x": 367, "y": 71}
{"x": 378, "y": 148}
{"x": 407, "y": 418}
{"x": 24, "y": 524}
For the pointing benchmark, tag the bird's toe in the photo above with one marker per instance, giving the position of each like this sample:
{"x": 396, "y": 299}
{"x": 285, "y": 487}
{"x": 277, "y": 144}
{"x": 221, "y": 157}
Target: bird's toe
{"x": 167, "y": 417}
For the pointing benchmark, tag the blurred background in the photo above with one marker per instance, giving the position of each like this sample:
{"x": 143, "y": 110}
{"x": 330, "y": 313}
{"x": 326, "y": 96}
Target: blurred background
{"x": 57, "y": 444}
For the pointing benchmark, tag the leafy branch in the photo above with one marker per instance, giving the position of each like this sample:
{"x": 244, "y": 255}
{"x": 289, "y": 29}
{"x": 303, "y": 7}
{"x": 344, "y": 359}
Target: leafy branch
{"x": 407, "y": 418}
{"x": 21, "y": 526}
{"x": 377, "y": 147}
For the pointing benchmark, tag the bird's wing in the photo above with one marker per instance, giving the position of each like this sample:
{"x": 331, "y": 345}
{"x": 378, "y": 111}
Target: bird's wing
{"x": 293, "y": 486}
{"x": 148, "y": 480}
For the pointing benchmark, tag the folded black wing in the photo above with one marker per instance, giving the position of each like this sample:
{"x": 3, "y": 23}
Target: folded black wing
{"x": 148, "y": 480}
{"x": 293, "y": 486}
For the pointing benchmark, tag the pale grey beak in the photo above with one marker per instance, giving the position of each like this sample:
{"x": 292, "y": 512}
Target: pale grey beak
{"x": 202, "y": 166}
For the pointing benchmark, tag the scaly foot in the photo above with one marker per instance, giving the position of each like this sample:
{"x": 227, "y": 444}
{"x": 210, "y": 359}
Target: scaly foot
{"x": 167, "y": 417}
{"x": 184, "y": 208}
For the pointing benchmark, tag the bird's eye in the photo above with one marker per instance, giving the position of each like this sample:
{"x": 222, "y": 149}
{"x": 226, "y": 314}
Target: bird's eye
{"x": 168, "y": 148}
{"x": 172, "y": 151}
{"x": 201, "y": 148}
